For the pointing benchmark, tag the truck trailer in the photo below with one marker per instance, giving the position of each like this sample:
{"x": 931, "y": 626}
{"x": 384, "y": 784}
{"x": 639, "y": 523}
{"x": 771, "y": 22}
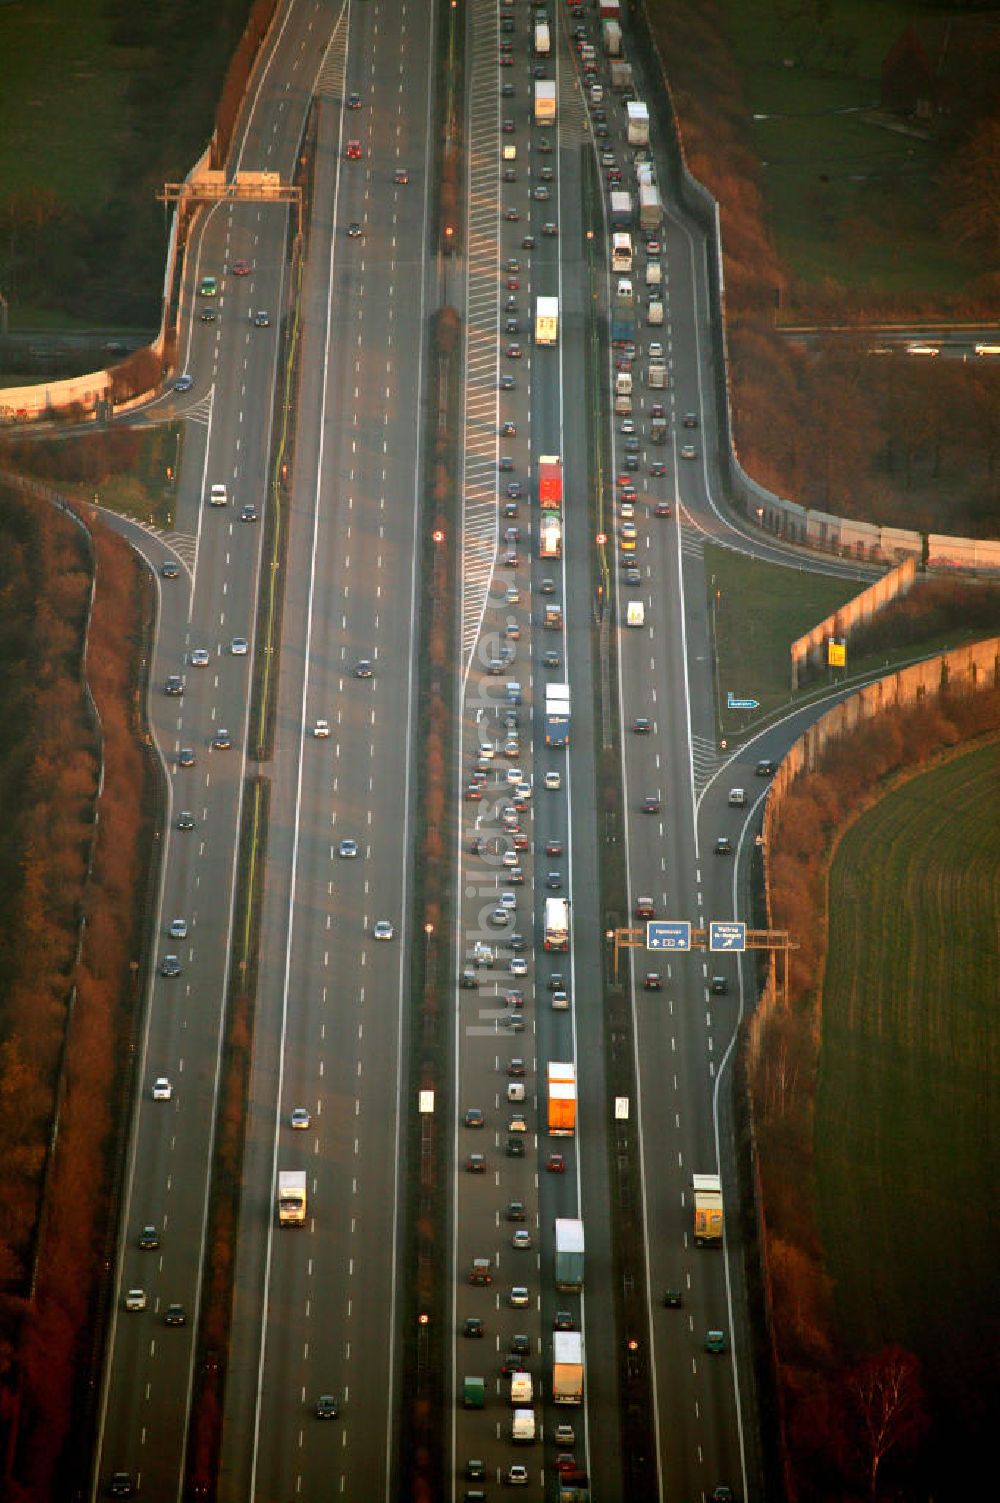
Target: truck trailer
{"x": 621, "y": 73}
{"x": 543, "y": 42}
{"x": 707, "y": 1210}
{"x": 638, "y": 123}
{"x": 612, "y": 34}
{"x": 522, "y": 1430}
{"x": 550, "y": 535}
{"x": 567, "y": 1367}
{"x": 556, "y": 924}
{"x": 291, "y": 1197}
{"x": 569, "y": 1254}
{"x": 545, "y": 101}
{"x": 621, "y": 209}
{"x": 546, "y": 320}
{"x": 557, "y": 714}
{"x": 550, "y": 487}
{"x": 650, "y": 208}
{"x": 562, "y": 1098}
{"x": 621, "y": 251}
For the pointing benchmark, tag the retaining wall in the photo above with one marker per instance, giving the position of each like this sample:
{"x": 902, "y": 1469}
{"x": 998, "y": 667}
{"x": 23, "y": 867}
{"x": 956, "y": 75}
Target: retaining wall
{"x": 808, "y": 650}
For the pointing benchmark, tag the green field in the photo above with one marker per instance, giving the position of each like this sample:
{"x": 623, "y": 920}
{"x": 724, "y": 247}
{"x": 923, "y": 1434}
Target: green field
{"x": 907, "y": 1110}
{"x": 62, "y": 103}
{"x": 848, "y": 199}
{"x": 759, "y": 609}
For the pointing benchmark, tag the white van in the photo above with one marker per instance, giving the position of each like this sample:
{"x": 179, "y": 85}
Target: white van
{"x": 635, "y": 615}
{"x": 218, "y": 496}
{"x": 654, "y": 274}
{"x": 737, "y": 797}
{"x": 515, "y": 1090}
{"x": 655, "y": 314}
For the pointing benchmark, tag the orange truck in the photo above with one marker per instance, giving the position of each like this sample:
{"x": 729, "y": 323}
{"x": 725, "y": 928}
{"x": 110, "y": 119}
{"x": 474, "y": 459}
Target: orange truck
{"x": 562, "y": 1099}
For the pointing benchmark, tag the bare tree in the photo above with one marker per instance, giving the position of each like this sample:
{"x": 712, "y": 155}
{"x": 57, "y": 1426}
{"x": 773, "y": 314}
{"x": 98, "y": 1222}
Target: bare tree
{"x": 888, "y": 1397}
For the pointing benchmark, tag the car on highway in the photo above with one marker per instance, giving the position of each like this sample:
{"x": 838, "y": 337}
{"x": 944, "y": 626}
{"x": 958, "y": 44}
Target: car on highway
{"x": 185, "y": 820}
{"x": 663, "y": 509}
{"x": 515, "y": 490}
{"x": 642, "y": 726}
{"x": 472, "y": 1326}
{"x": 563, "y": 1321}
{"x": 299, "y": 1118}
{"x": 352, "y": 151}
{"x": 541, "y": 192}
{"x": 551, "y": 659}
{"x": 506, "y": 91}
{"x": 221, "y": 741}
{"x": 645, "y": 908}
{"x": 475, "y": 1163}
{"x": 517, "y": 1474}
{"x": 174, "y": 1315}
{"x": 672, "y": 1299}
{"x": 511, "y": 215}
{"x": 174, "y": 684}
{"x": 651, "y": 804}
{"x": 521, "y": 1239}
{"x": 354, "y": 230}
{"x": 723, "y": 845}
{"x": 518, "y": 965}
{"x": 184, "y": 382}
{"x": 170, "y": 966}
{"x": 547, "y": 586}
{"x": 135, "y": 1299}
{"x": 200, "y": 657}
{"x": 354, "y": 101}
{"x": 652, "y": 982}
{"x": 512, "y": 595}
{"x": 718, "y": 986}
{"x": 382, "y": 929}
{"x": 688, "y": 451}
{"x": 633, "y": 575}
{"x": 148, "y": 1239}
{"x": 162, "y": 1089}
{"x": 363, "y": 668}
{"x": 474, "y": 1117}
{"x": 241, "y": 268}
{"x": 248, "y": 513}
{"x": 170, "y": 569}
{"x": 507, "y": 383}
{"x": 550, "y": 229}
{"x": 401, "y": 176}
{"x": 239, "y": 647}
{"x": 518, "y": 1297}
{"x": 262, "y": 319}
{"x": 186, "y": 757}
{"x": 553, "y": 847}
{"x": 347, "y": 849}
{"x": 553, "y": 780}
{"x": 527, "y": 242}
{"x": 178, "y": 928}
{"x": 121, "y": 1485}
{"x": 209, "y": 287}
{"x": 715, "y": 1341}
{"x": 553, "y": 881}
{"x": 513, "y": 352}
{"x": 514, "y": 1148}
{"x": 765, "y": 767}
{"x": 327, "y": 1407}
{"x": 207, "y": 316}
{"x": 556, "y": 1163}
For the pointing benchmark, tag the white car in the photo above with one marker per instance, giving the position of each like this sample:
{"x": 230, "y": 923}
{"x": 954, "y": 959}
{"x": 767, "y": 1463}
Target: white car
{"x": 553, "y": 781}
{"x": 135, "y": 1299}
{"x": 510, "y": 858}
{"x": 523, "y": 790}
{"x": 383, "y": 929}
{"x": 515, "y": 775}
{"x": 299, "y": 1118}
{"x": 519, "y": 1296}
{"x": 689, "y": 452}
{"x": 239, "y": 647}
{"x": 162, "y": 1089}
{"x": 348, "y": 849}
{"x": 199, "y": 657}
{"x": 508, "y": 901}
{"x": 178, "y": 928}
{"x": 518, "y": 966}
{"x": 321, "y": 729}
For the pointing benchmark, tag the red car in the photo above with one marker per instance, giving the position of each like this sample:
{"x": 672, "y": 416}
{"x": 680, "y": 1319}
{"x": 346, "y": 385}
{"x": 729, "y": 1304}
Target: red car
{"x": 555, "y": 1163}
{"x": 652, "y": 982}
{"x": 662, "y": 508}
{"x": 241, "y": 268}
{"x": 353, "y": 151}
{"x": 553, "y": 848}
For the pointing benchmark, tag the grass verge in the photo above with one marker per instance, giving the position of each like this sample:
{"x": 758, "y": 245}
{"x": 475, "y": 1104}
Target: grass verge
{"x": 907, "y": 1116}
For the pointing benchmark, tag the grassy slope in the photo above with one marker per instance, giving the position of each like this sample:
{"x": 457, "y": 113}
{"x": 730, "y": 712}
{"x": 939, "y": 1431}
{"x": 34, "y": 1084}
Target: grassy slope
{"x": 761, "y": 610}
{"x": 61, "y": 100}
{"x": 847, "y": 199}
{"x": 907, "y": 1119}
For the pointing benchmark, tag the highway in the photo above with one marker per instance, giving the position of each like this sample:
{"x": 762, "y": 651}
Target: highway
{"x": 316, "y": 1310}
{"x": 316, "y": 1307}
{"x": 148, "y": 1376}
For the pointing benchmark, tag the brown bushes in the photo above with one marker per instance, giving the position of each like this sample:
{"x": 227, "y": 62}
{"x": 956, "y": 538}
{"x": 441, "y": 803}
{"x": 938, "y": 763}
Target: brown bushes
{"x": 42, "y": 1355}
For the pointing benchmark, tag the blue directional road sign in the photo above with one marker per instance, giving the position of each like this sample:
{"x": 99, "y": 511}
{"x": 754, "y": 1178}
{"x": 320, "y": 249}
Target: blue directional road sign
{"x": 668, "y": 934}
{"x": 732, "y": 703}
{"x": 727, "y": 935}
